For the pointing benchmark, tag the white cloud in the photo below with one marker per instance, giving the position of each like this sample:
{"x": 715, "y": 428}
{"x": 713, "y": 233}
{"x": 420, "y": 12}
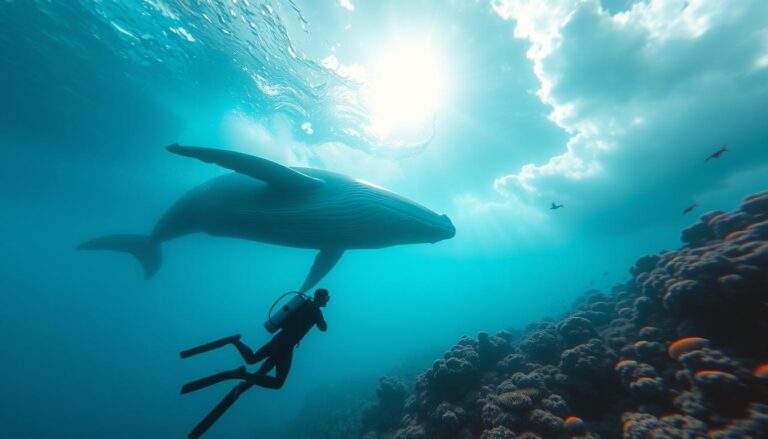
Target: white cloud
{"x": 644, "y": 94}
{"x": 347, "y": 4}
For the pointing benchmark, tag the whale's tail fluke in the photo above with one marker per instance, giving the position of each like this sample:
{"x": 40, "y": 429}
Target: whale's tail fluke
{"x": 144, "y": 248}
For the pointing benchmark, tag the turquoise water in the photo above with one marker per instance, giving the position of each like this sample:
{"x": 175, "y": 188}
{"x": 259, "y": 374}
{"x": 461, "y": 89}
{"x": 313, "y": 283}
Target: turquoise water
{"x": 472, "y": 109}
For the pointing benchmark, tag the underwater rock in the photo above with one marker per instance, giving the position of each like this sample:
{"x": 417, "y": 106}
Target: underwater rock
{"x": 555, "y": 404}
{"x": 392, "y": 393}
{"x": 493, "y": 415}
{"x": 576, "y": 330}
{"x": 678, "y": 351}
{"x": 720, "y": 386}
{"x": 515, "y": 401}
{"x": 644, "y": 426}
{"x": 756, "y": 204}
{"x": 591, "y": 359}
{"x": 544, "y": 422}
{"x": 754, "y": 425}
{"x": 498, "y": 433}
{"x": 647, "y": 387}
{"x": 411, "y": 432}
{"x": 511, "y": 363}
{"x": 491, "y": 348}
{"x": 697, "y": 234}
{"x": 449, "y": 417}
{"x": 542, "y": 345}
{"x": 644, "y": 264}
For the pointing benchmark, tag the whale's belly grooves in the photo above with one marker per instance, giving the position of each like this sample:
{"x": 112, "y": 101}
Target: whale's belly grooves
{"x": 338, "y": 215}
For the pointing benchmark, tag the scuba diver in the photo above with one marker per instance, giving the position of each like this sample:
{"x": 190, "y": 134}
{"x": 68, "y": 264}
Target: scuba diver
{"x": 294, "y": 320}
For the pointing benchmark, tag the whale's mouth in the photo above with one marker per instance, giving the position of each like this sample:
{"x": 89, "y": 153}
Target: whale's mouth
{"x": 447, "y": 226}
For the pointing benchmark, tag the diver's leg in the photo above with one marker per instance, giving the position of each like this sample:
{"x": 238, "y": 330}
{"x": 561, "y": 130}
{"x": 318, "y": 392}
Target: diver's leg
{"x": 233, "y": 374}
{"x": 211, "y": 346}
{"x": 265, "y": 367}
{"x": 282, "y": 362}
{"x": 251, "y": 357}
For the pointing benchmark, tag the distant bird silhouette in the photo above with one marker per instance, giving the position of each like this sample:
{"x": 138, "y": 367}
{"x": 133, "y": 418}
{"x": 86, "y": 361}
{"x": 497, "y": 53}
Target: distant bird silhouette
{"x": 555, "y": 206}
{"x": 690, "y": 208}
{"x": 718, "y": 153}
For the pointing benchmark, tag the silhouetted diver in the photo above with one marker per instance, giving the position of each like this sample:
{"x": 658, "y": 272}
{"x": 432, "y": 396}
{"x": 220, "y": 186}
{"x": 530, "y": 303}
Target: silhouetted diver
{"x": 555, "y": 206}
{"x": 277, "y": 354}
{"x": 718, "y": 153}
{"x": 294, "y": 207}
{"x": 690, "y": 208}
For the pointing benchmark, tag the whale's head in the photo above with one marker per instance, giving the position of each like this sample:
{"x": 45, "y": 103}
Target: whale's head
{"x": 403, "y": 221}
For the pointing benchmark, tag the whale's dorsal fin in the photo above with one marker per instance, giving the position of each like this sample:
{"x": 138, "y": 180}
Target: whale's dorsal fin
{"x": 265, "y": 170}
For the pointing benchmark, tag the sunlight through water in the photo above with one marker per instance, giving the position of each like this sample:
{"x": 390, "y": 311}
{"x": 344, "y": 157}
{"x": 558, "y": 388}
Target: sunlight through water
{"x": 405, "y": 90}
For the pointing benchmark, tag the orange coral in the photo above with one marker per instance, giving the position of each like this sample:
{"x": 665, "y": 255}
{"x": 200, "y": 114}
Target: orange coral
{"x": 644, "y": 379}
{"x": 623, "y": 363}
{"x": 761, "y": 371}
{"x": 685, "y": 345}
{"x": 574, "y": 424}
{"x": 703, "y": 374}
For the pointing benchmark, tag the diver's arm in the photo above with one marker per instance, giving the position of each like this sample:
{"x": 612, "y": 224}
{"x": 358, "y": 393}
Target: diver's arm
{"x": 320, "y": 322}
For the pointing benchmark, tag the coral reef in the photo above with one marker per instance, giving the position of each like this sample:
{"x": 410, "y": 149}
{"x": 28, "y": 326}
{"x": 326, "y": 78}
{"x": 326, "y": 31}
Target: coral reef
{"x": 679, "y": 351}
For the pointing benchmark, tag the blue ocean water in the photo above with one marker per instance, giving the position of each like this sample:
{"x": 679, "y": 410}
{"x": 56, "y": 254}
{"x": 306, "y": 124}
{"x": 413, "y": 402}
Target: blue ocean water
{"x": 92, "y": 91}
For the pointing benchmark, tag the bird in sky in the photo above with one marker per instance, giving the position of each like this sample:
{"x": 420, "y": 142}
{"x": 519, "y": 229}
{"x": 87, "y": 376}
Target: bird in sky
{"x": 718, "y": 153}
{"x": 556, "y": 206}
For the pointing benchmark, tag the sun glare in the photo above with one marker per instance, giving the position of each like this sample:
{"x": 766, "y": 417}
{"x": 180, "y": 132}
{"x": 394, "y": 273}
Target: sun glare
{"x": 405, "y": 90}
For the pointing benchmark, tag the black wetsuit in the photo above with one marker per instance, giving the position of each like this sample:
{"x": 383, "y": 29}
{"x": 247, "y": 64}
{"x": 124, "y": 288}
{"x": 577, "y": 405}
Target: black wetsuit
{"x": 278, "y": 352}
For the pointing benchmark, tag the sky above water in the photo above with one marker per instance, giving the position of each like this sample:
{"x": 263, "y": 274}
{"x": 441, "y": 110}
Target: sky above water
{"x": 485, "y": 111}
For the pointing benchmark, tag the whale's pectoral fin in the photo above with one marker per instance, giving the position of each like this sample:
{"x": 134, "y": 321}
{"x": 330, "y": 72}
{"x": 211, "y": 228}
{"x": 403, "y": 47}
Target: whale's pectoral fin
{"x": 324, "y": 261}
{"x": 265, "y": 170}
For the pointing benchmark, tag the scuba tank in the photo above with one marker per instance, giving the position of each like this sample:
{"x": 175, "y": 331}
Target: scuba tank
{"x": 275, "y": 321}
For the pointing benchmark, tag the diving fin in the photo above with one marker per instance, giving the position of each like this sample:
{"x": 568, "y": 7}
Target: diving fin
{"x": 202, "y": 383}
{"x": 209, "y": 346}
{"x": 219, "y": 410}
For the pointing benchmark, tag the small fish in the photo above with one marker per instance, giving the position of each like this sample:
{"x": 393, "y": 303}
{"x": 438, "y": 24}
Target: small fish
{"x": 556, "y": 206}
{"x": 718, "y": 153}
{"x": 690, "y": 208}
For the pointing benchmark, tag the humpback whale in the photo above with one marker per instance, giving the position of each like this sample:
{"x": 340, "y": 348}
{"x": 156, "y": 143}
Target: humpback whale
{"x": 289, "y": 206}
